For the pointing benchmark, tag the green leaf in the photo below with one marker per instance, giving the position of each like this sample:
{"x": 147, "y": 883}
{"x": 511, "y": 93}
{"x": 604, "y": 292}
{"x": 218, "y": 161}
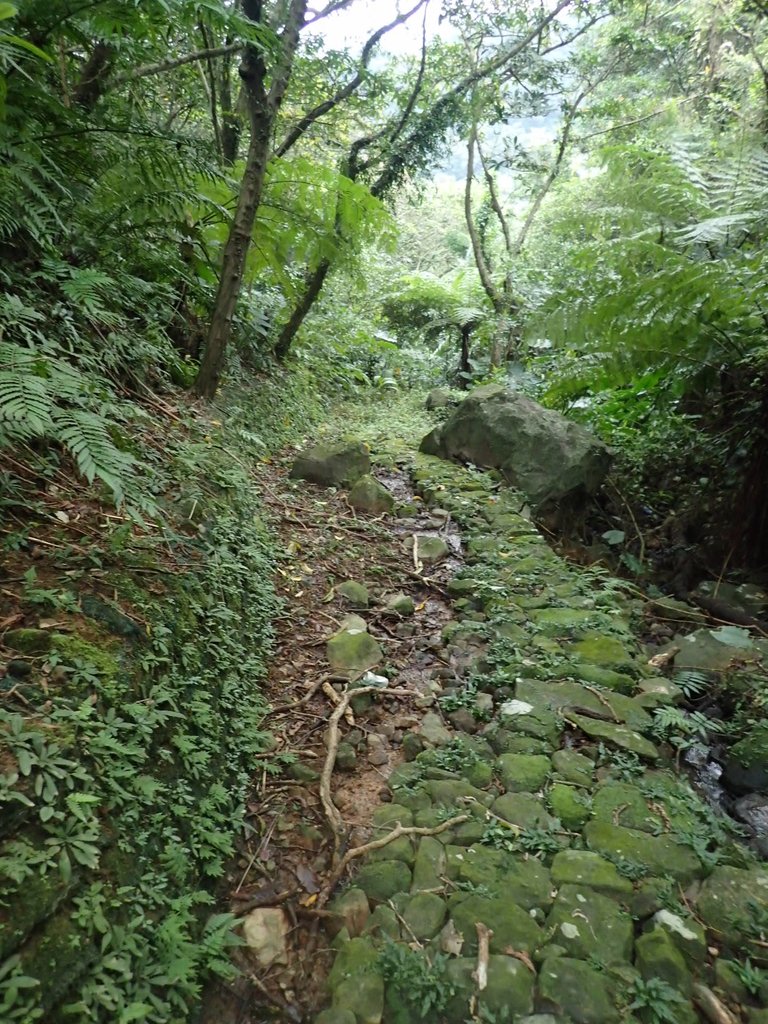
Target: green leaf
{"x": 613, "y": 537}
{"x": 7, "y": 11}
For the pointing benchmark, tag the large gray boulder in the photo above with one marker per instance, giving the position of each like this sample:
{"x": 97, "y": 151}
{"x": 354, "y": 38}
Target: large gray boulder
{"x": 538, "y": 450}
{"x": 332, "y": 465}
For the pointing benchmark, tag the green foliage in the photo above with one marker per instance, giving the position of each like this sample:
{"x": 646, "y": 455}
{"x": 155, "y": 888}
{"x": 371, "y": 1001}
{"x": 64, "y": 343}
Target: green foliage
{"x": 419, "y": 980}
{"x": 752, "y": 978}
{"x": 655, "y": 1000}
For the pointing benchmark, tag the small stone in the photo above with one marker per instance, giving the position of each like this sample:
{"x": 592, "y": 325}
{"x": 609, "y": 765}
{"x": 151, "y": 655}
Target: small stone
{"x": 19, "y": 669}
{"x": 573, "y": 767}
{"x": 346, "y": 758}
{"x": 512, "y": 926}
{"x": 430, "y": 864}
{"x": 727, "y": 900}
{"x": 464, "y": 720}
{"x": 429, "y": 550}
{"x": 686, "y": 933}
{"x": 618, "y": 735}
{"x": 266, "y": 934}
{"x": 353, "y": 594}
{"x": 412, "y": 746}
{"x": 302, "y": 772}
{"x": 352, "y": 912}
{"x": 399, "y": 604}
{"x": 523, "y": 810}
{"x": 368, "y": 495}
{"x": 378, "y": 749}
{"x": 572, "y": 806}
{"x": 433, "y": 731}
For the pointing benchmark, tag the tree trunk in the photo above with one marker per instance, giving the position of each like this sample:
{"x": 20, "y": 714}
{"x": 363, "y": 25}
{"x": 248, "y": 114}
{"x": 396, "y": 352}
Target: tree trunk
{"x": 262, "y": 106}
{"x": 230, "y": 120}
{"x": 233, "y": 263}
{"x": 314, "y": 284}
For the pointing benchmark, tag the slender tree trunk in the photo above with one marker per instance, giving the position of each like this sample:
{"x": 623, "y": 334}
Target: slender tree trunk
{"x": 230, "y": 120}
{"x": 314, "y": 284}
{"x": 233, "y": 263}
{"x": 263, "y": 106}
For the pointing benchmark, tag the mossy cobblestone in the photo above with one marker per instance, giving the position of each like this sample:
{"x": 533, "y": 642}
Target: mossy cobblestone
{"x": 588, "y": 857}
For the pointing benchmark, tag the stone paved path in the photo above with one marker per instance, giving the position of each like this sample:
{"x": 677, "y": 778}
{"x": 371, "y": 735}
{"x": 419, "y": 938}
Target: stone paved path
{"x": 589, "y": 883}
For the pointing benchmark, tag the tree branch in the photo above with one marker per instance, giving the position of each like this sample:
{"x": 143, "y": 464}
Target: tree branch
{"x": 474, "y": 236}
{"x": 176, "y": 62}
{"x": 347, "y": 90}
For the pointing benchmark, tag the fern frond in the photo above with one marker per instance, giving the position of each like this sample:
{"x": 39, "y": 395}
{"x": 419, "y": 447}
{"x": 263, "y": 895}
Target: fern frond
{"x": 86, "y": 436}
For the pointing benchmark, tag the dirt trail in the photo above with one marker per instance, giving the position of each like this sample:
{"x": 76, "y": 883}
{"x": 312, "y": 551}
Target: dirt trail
{"x": 287, "y": 850}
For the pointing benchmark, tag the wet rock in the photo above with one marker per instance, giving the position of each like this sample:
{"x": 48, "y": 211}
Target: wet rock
{"x": 352, "y": 912}
{"x": 538, "y": 450}
{"x": 353, "y": 594}
{"x": 368, "y": 495}
{"x": 578, "y": 992}
{"x": 332, "y": 465}
{"x": 658, "y": 957}
{"x": 523, "y": 773}
{"x": 753, "y": 811}
{"x": 266, "y": 934}
{"x": 660, "y": 855}
{"x": 746, "y": 769}
{"x": 424, "y": 914}
{"x": 581, "y": 867}
{"x": 585, "y": 923}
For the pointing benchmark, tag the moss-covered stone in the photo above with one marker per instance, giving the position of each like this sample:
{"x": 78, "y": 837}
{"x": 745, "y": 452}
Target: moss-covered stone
{"x": 573, "y": 767}
{"x": 660, "y": 855}
{"x": 399, "y": 604}
{"x": 424, "y": 914}
{"x": 353, "y": 594}
{"x": 526, "y": 882}
{"x": 381, "y": 880}
{"x": 429, "y": 864}
{"x": 512, "y": 926}
{"x": 582, "y": 867}
{"x": 728, "y": 900}
{"x": 569, "y": 804}
{"x": 332, "y": 465}
{"x": 28, "y": 641}
{"x": 451, "y": 794}
{"x": 686, "y": 933}
{"x": 604, "y": 677}
{"x": 353, "y": 651}
{"x": 585, "y": 923}
{"x": 352, "y": 912}
{"x": 606, "y": 651}
{"x": 368, "y": 495}
{"x": 523, "y": 773}
{"x": 617, "y": 735}
{"x": 523, "y": 810}
{"x": 658, "y": 957}
{"x": 576, "y": 991}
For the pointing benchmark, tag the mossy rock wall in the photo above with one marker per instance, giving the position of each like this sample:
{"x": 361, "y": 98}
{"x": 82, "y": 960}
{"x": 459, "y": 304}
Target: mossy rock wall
{"x": 590, "y": 859}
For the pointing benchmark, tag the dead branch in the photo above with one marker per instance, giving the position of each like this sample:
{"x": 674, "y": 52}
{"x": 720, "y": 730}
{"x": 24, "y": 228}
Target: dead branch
{"x": 377, "y": 844}
{"x": 480, "y": 973}
{"x": 710, "y": 1006}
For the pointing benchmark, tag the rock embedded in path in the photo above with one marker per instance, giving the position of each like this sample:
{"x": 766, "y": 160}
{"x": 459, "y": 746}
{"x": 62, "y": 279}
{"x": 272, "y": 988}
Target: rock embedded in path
{"x": 439, "y": 398}
{"x": 332, "y": 465}
{"x": 353, "y": 650}
{"x": 429, "y": 550}
{"x": 538, "y": 450}
{"x": 266, "y": 934}
{"x": 398, "y": 604}
{"x": 353, "y": 594}
{"x": 579, "y": 992}
{"x": 368, "y": 495}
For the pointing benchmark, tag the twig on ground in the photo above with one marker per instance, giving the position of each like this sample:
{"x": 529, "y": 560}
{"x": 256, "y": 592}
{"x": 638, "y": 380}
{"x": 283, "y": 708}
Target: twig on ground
{"x": 377, "y": 844}
{"x": 480, "y": 973}
{"x": 710, "y": 1005}
{"x": 334, "y": 698}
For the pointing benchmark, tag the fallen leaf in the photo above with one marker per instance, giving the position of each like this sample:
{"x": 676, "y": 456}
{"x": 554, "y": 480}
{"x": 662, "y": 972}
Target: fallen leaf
{"x": 307, "y": 878}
